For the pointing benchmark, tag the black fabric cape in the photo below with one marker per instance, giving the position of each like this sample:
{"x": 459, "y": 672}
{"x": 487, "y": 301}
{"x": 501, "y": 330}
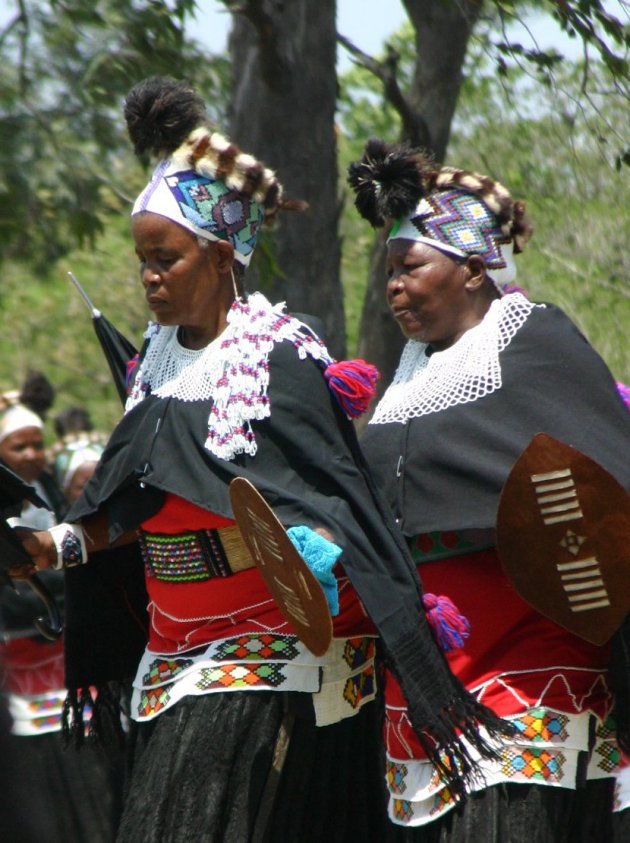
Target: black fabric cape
{"x": 310, "y": 470}
{"x": 446, "y": 470}
{"x": 19, "y": 604}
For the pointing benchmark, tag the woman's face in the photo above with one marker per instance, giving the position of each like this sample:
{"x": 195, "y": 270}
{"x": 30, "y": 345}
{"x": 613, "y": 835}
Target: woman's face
{"x": 23, "y": 451}
{"x": 427, "y": 294}
{"x": 183, "y": 285}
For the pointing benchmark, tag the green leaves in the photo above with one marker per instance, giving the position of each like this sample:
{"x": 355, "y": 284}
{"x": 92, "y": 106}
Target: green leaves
{"x": 65, "y": 161}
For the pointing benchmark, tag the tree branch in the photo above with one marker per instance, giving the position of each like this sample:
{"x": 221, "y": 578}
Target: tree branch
{"x": 255, "y": 13}
{"x": 9, "y": 28}
{"x": 23, "y": 75}
{"x": 414, "y": 128}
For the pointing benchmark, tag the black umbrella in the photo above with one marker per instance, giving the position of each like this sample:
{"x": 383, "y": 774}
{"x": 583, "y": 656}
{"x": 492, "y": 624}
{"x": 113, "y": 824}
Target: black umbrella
{"x": 13, "y": 492}
{"x": 117, "y": 348}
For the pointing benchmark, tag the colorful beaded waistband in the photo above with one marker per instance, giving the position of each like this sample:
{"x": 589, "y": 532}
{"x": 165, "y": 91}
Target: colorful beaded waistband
{"x": 195, "y": 556}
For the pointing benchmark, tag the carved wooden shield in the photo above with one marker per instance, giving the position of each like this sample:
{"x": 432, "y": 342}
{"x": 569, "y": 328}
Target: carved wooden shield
{"x": 292, "y": 584}
{"x": 563, "y": 536}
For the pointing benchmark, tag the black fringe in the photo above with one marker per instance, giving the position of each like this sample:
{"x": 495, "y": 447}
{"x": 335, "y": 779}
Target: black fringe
{"x": 103, "y": 724}
{"x": 440, "y": 727}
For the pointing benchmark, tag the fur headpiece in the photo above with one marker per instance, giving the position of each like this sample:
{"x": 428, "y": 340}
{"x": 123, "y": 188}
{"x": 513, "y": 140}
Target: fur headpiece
{"x": 203, "y": 182}
{"x": 457, "y": 211}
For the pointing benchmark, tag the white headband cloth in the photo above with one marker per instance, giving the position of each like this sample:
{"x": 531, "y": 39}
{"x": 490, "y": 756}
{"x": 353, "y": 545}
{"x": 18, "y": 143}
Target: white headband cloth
{"x": 17, "y": 418}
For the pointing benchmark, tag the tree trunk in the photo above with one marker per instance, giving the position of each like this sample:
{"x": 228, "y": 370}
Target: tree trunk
{"x": 283, "y": 110}
{"x": 443, "y": 30}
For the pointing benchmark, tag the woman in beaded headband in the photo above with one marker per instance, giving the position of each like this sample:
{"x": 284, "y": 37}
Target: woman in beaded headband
{"x": 481, "y": 375}
{"x": 458, "y": 212}
{"x": 203, "y": 182}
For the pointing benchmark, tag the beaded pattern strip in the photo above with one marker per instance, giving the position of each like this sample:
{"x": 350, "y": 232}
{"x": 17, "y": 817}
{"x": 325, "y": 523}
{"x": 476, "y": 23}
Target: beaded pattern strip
{"x": 462, "y": 222}
{"x": 359, "y": 687}
{"x": 186, "y": 557}
{"x": 258, "y": 647}
{"x": 340, "y": 682}
{"x": 545, "y": 752}
{"x": 429, "y": 547}
{"x": 208, "y": 204}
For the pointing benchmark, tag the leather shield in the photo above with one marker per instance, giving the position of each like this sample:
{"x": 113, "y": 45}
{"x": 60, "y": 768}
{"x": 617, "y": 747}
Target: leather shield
{"x": 563, "y": 537}
{"x": 293, "y": 586}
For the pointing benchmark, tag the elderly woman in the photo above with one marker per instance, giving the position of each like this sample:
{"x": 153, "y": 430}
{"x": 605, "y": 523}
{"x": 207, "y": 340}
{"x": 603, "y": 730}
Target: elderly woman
{"x": 482, "y": 373}
{"x": 230, "y": 386}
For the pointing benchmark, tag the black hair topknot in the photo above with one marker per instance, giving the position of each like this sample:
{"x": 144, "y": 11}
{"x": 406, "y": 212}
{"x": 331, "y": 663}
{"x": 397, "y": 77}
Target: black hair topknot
{"x": 160, "y": 113}
{"x": 389, "y": 180}
{"x": 37, "y": 393}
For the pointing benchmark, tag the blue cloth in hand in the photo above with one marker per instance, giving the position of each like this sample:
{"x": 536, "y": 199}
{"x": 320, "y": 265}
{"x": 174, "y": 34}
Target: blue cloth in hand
{"x": 320, "y": 555}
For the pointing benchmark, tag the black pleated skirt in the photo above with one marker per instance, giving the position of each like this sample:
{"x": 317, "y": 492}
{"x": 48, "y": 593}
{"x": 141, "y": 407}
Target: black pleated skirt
{"x": 202, "y": 772}
{"x": 525, "y": 813}
{"x": 64, "y": 795}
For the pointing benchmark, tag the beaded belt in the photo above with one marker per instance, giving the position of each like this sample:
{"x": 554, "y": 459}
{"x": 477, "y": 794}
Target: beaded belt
{"x": 195, "y": 556}
{"x": 431, "y": 547}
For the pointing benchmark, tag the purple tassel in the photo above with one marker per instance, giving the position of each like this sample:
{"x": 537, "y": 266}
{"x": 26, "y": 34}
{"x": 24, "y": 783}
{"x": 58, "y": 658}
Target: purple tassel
{"x": 353, "y": 383}
{"x": 448, "y": 625}
{"x": 624, "y": 391}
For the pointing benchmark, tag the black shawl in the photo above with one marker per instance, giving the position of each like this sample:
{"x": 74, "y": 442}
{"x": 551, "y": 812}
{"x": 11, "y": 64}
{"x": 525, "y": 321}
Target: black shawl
{"x": 446, "y": 470}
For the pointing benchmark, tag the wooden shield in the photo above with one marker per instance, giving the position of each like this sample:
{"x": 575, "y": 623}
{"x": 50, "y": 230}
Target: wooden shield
{"x": 292, "y": 584}
{"x": 563, "y": 536}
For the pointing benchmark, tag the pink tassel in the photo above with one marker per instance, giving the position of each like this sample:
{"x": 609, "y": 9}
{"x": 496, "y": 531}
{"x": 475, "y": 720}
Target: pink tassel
{"x": 449, "y": 626}
{"x": 353, "y": 382}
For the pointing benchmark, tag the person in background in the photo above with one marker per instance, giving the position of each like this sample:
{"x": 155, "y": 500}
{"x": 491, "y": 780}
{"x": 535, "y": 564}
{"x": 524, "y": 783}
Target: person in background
{"x": 68, "y": 796}
{"x": 241, "y": 733}
{"x": 76, "y": 452}
{"x": 73, "y": 422}
{"x": 22, "y": 448}
{"x": 481, "y": 374}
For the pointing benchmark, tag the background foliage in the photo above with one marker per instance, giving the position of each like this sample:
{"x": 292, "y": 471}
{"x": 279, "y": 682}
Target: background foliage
{"x": 67, "y": 176}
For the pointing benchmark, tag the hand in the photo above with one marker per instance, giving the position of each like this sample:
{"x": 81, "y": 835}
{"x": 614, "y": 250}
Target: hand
{"x": 322, "y": 531}
{"x": 40, "y": 547}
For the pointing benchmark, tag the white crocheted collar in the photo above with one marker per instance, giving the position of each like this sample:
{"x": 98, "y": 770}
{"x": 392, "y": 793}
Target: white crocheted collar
{"x": 232, "y": 371}
{"x": 465, "y": 372}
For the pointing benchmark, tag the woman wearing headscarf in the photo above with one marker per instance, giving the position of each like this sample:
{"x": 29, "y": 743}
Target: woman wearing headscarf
{"x": 228, "y": 385}
{"x": 482, "y": 373}
{"x": 22, "y": 449}
{"x": 75, "y": 463}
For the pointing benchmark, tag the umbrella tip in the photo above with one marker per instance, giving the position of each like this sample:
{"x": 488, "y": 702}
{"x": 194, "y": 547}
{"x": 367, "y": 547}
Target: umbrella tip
{"x": 95, "y": 313}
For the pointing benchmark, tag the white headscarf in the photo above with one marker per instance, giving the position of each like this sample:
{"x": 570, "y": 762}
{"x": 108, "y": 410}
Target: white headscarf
{"x": 17, "y": 418}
